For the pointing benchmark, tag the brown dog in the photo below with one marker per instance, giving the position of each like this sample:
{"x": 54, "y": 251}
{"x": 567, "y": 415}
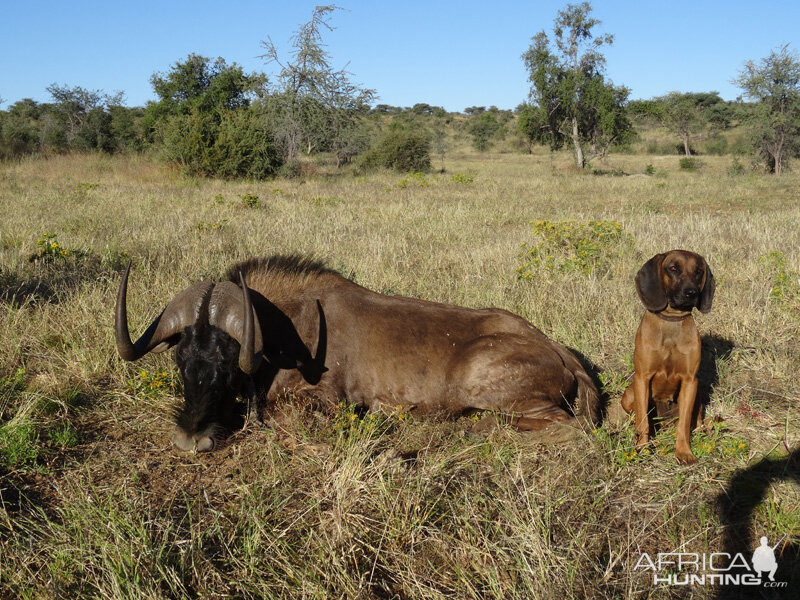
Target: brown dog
{"x": 667, "y": 353}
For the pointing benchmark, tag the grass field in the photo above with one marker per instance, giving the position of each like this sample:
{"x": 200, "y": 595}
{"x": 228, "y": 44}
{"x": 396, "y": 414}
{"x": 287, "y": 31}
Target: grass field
{"x": 95, "y": 503}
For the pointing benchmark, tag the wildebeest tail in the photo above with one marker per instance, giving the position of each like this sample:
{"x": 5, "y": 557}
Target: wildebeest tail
{"x": 586, "y": 405}
{"x": 587, "y": 400}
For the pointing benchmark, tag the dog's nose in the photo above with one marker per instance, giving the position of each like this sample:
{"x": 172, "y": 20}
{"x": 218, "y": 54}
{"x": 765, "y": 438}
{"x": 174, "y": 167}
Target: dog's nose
{"x": 691, "y": 293}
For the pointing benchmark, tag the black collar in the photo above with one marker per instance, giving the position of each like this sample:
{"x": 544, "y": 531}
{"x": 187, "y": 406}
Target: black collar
{"x": 673, "y": 319}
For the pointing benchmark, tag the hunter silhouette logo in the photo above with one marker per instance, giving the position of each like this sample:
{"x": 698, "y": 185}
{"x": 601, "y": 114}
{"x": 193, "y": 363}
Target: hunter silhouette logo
{"x": 764, "y": 559}
{"x": 717, "y": 568}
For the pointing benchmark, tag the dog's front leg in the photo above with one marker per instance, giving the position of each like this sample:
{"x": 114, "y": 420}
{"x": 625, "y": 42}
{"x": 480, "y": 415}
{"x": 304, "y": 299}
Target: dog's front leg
{"x": 641, "y": 404}
{"x": 686, "y": 400}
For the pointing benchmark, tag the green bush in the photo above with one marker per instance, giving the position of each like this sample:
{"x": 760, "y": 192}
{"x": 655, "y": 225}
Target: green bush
{"x": 245, "y": 148}
{"x": 689, "y": 163}
{"x": 571, "y": 246}
{"x": 464, "y": 178}
{"x": 736, "y": 168}
{"x": 717, "y": 145}
{"x": 401, "y": 150}
{"x": 741, "y": 145}
{"x": 237, "y": 144}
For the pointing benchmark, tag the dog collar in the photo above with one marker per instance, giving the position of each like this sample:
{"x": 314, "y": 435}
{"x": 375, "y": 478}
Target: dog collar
{"x": 673, "y": 319}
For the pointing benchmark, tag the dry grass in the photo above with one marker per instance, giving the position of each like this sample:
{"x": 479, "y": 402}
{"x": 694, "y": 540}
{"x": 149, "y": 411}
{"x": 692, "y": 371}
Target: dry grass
{"x": 321, "y": 505}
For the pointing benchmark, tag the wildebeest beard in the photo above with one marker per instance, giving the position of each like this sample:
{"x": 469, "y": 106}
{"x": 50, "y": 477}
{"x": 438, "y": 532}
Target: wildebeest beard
{"x": 208, "y": 361}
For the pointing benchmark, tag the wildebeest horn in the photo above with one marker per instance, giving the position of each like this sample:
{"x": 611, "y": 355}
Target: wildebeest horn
{"x": 230, "y": 309}
{"x": 181, "y": 312}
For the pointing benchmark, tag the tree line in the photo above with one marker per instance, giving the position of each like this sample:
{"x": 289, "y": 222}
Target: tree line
{"x": 212, "y": 118}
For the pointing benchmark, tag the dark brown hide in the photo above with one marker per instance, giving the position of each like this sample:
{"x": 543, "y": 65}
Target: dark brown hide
{"x": 394, "y": 351}
{"x": 318, "y": 334}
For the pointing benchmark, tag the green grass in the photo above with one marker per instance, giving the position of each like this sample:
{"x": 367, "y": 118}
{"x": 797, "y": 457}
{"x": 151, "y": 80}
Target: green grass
{"x": 331, "y": 503}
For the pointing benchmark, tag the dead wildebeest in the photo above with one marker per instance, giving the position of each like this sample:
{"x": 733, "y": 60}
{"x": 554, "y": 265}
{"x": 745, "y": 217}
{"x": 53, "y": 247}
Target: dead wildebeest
{"x": 252, "y": 340}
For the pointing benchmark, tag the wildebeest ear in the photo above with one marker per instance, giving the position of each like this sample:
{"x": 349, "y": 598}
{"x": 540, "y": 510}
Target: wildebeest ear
{"x": 648, "y": 284}
{"x": 707, "y": 295}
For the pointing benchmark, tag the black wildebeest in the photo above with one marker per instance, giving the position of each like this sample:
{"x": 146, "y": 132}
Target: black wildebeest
{"x": 253, "y": 340}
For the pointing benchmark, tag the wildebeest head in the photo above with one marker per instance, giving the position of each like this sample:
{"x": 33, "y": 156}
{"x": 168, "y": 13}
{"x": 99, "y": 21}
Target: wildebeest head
{"x": 218, "y": 342}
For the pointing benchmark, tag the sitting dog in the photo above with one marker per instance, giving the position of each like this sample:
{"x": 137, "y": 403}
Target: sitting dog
{"x": 667, "y": 353}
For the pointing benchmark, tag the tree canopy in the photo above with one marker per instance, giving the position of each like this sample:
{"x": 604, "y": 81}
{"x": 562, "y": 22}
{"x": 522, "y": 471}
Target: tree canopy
{"x": 311, "y": 103}
{"x": 774, "y": 83}
{"x": 571, "y": 100}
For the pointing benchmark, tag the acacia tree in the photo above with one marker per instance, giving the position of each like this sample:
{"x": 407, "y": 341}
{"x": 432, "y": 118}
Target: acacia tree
{"x": 686, "y": 114}
{"x": 311, "y": 103}
{"x": 572, "y": 102}
{"x": 85, "y": 116}
{"x": 774, "y": 83}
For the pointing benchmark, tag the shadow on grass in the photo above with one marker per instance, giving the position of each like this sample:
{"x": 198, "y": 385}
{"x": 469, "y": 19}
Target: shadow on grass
{"x": 714, "y": 349}
{"x": 745, "y": 492}
{"x": 50, "y": 283}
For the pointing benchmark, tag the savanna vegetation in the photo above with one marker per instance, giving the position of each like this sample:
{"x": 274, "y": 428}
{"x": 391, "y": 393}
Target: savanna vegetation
{"x": 211, "y": 118}
{"x": 332, "y": 503}
{"x": 480, "y": 208}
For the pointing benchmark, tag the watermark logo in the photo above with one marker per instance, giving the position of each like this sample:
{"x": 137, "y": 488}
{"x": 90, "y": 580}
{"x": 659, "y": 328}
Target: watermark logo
{"x": 717, "y": 568}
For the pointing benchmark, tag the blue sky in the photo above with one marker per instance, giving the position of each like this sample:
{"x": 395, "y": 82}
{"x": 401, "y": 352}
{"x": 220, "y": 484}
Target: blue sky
{"x": 451, "y": 54}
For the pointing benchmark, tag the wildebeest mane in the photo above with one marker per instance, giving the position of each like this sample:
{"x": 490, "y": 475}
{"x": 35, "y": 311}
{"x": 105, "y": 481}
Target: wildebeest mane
{"x": 283, "y": 276}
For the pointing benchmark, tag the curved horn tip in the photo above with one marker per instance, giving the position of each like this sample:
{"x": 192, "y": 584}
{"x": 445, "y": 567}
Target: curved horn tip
{"x": 125, "y": 346}
{"x": 249, "y": 357}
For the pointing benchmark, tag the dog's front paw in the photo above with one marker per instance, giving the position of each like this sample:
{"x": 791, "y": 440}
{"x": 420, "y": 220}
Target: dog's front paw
{"x": 685, "y": 456}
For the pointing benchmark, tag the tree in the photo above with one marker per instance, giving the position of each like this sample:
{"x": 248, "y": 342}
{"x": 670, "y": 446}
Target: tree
{"x": 307, "y": 86}
{"x": 483, "y": 128}
{"x": 688, "y": 115}
{"x": 533, "y": 126}
{"x": 21, "y": 127}
{"x": 205, "y": 119}
{"x": 85, "y": 116}
{"x": 573, "y": 101}
{"x": 198, "y": 84}
{"x": 774, "y": 83}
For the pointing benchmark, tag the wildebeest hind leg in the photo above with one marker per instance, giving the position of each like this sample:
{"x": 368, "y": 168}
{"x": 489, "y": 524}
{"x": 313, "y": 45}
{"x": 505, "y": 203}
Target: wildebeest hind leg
{"x": 541, "y": 418}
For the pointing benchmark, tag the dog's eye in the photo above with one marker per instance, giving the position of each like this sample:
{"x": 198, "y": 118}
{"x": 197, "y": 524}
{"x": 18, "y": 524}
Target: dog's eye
{"x": 699, "y": 272}
{"x": 673, "y": 268}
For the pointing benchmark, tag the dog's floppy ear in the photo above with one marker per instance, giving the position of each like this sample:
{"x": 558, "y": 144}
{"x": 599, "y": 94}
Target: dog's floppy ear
{"x": 648, "y": 284}
{"x": 707, "y": 295}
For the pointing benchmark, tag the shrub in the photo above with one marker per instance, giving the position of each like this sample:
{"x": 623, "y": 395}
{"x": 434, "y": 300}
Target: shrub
{"x": 570, "y": 246}
{"x": 245, "y": 148}
{"x": 250, "y": 200}
{"x": 741, "y": 145}
{"x": 48, "y": 249}
{"x": 689, "y": 163}
{"x": 717, "y": 145}
{"x": 652, "y": 147}
{"x": 414, "y": 179}
{"x": 464, "y": 178}
{"x": 785, "y": 288}
{"x": 237, "y": 144}
{"x": 736, "y": 168}
{"x": 401, "y": 150}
